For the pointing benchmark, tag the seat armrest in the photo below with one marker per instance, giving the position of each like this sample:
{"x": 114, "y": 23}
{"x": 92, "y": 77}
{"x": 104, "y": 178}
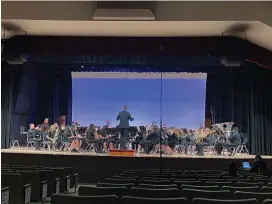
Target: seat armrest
{"x": 27, "y": 193}
{"x": 75, "y": 181}
{"x": 5, "y": 195}
{"x": 43, "y": 187}
{"x": 57, "y": 185}
{"x": 67, "y": 184}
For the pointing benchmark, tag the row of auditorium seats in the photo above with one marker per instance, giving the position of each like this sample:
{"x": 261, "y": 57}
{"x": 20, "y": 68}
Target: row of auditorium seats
{"x": 155, "y": 186}
{"x": 23, "y": 184}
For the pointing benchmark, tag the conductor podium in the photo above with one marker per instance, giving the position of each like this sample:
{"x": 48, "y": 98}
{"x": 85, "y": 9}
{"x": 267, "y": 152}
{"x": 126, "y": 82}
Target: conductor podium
{"x": 122, "y": 153}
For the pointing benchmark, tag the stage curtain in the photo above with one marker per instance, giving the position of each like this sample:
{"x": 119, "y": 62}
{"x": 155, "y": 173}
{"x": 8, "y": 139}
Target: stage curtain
{"x": 10, "y": 86}
{"x": 243, "y": 95}
{"x": 54, "y": 94}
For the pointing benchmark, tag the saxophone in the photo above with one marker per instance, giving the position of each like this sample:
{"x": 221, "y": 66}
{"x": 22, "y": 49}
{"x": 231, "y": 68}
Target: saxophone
{"x": 200, "y": 135}
{"x": 56, "y": 136}
{"x": 96, "y": 135}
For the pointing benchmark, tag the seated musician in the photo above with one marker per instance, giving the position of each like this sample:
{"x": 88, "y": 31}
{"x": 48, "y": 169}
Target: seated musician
{"x": 164, "y": 130}
{"x": 152, "y": 139}
{"x": 108, "y": 142}
{"x": 234, "y": 141}
{"x": 172, "y": 140}
{"x": 31, "y": 132}
{"x": 206, "y": 138}
{"x": 92, "y": 137}
{"x": 74, "y": 138}
{"x": 139, "y": 140}
{"x": 34, "y": 134}
{"x": 58, "y": 137}
{"x": 182, "y": 136}
{"x": 101, "y": 134}
{"x": 51, "y": 133}
{"x": 189, "y": 138}
{"x": 67, "y": 136}
{"x": 45, "y": 128}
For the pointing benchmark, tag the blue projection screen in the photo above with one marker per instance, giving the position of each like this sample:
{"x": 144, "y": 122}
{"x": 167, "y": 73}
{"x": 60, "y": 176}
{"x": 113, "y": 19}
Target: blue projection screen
{"x": 99, "y": 97}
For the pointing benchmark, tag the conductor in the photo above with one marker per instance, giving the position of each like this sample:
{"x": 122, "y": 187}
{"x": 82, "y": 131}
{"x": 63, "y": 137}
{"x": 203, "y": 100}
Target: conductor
{"x": 124, "y": 117}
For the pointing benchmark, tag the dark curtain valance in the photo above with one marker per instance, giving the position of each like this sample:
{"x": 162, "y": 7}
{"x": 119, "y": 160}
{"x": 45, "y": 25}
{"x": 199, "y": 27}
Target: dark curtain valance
{"x": 183, "y": 46}
{"x": 110, "y": 62}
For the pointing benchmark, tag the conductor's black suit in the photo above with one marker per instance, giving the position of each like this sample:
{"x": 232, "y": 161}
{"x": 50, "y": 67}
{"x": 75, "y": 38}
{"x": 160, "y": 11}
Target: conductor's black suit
{"x": 124, "y": 117}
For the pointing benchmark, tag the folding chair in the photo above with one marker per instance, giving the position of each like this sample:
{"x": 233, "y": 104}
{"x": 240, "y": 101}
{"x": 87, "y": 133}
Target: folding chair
{"x": 242, "y": 147}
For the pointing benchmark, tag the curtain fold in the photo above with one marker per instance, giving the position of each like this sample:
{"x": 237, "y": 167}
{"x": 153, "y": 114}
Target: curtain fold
{"x": 244, "y": 95}
{"x": 10, "y": 87}
{"x": 54, "y": 94}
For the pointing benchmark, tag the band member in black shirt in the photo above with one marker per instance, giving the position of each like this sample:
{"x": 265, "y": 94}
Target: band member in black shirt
{"x": 108, "y": 142}
{"x": 140, "y": 139}
{"x": 208, "y": 139}
{"x": 92, "y": 137}
{"x": 45, "y": 125}
{"x": 32, "y": 131}
{"x": 172, "y": 140}
{"x": 152, "y": 139}
{"x": 59, "y": 136}
{"x": 234, "y": 141}
{"x": 50, "y": 136}
{"x": 124, "y": 117}
{"x": 45, "y": 128}
{"x": 34, "y": 135}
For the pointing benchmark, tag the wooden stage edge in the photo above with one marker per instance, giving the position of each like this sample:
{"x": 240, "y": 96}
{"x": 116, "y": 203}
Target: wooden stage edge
{"x": 41, "y": 152}
{"x": 93, "y": 167}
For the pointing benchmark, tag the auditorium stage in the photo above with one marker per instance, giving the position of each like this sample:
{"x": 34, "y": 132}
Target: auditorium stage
{"x": 94, "y": 167}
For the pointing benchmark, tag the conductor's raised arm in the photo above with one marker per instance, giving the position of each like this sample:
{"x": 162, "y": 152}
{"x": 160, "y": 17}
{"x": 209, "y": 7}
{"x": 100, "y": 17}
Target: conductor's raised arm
{"x": 118, "y": 116}
{"x": 130, "y": 117}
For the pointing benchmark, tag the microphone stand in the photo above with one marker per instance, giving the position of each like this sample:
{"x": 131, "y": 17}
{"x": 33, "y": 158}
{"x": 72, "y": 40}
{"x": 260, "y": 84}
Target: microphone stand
{"x": 161, "y": 161}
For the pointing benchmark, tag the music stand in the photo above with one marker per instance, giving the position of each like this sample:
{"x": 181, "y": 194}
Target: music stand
{"x": 82, "y": 130}
{"x": 133, "y": 130}
{"x": 142, "y": 128}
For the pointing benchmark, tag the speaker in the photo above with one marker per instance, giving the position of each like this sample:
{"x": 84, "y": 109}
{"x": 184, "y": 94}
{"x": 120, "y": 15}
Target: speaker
{"x": 15, "y": 59}
{"x": 230, "y": 61}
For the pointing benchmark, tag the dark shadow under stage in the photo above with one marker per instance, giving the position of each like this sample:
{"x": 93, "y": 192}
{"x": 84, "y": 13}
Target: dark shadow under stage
{"x": 94, "y": 167}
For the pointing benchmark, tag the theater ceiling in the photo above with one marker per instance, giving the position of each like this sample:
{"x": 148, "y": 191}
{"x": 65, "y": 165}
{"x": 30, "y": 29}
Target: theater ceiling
{"x": 158, "y": 19}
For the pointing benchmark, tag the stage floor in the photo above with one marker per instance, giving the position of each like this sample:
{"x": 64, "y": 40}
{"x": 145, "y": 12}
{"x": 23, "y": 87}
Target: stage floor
{"x": 45, "y": 152}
